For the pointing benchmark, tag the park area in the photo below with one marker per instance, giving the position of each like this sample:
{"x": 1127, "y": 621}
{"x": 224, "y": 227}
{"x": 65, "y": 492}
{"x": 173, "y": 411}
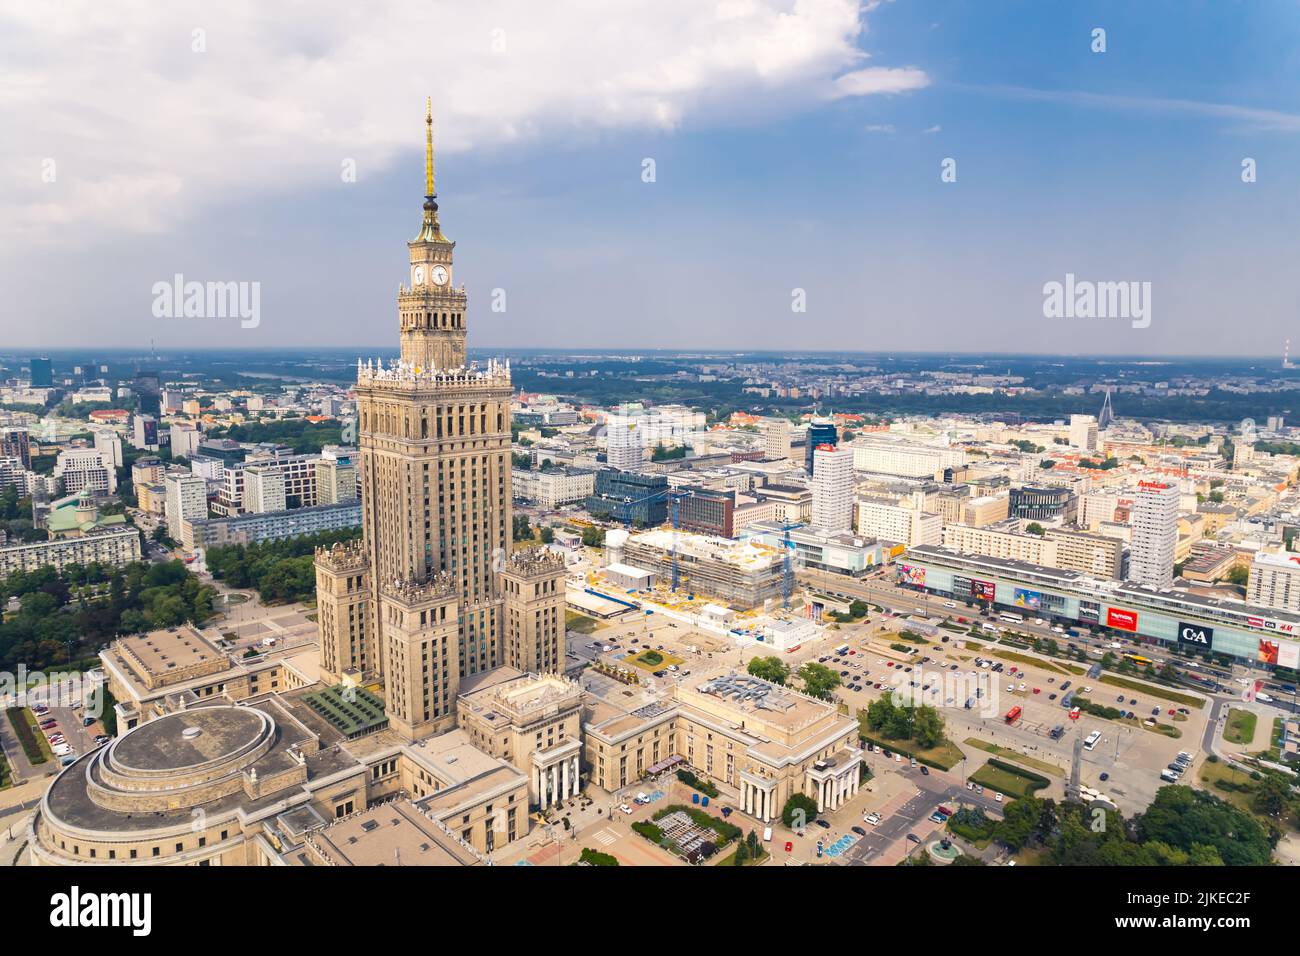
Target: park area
{"x": 1007, "y": 779}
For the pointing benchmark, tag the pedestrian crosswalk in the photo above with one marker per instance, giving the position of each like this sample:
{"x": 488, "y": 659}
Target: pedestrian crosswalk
{"x": 605, "y": 837}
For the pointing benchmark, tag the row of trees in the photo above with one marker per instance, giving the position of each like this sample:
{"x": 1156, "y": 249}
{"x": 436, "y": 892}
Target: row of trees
{"x": 1181, "y": 827}
{"x": 921, "y": 724}
{"x": 303, "y": 436}
{"x": 818, "y": 680}
{"x": 68, "y": 616}
{"x": 277, "y": 570}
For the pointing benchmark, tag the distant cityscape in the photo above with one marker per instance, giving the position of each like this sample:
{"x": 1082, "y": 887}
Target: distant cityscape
{"x": 680, "y": 606}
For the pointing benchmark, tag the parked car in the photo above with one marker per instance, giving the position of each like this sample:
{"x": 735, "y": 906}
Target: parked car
{"x": 872, "y": 819}
{"x": 624, "y": 808}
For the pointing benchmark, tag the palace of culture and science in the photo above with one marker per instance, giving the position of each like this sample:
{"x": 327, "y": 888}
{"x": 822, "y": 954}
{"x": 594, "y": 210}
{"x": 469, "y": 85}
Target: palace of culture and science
{"x": 432, "y": 594}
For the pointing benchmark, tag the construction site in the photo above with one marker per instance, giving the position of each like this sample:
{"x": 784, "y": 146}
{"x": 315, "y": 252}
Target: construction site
{"x": 744, "y": 575}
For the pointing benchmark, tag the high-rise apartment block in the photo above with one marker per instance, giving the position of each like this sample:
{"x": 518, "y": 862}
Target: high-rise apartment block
{"x": 186, "y": 500}
{"x": 832, "y": 488}
{"x": 264, "y": 489}
{"x": 1083, "y": 432}
{"x": 1155, "y": 534}
{"x": 776, "y": 439}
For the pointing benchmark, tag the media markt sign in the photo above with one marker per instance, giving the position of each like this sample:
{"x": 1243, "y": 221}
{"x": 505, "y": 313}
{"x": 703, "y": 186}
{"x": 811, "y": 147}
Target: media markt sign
{"x": 1197, "y": 635}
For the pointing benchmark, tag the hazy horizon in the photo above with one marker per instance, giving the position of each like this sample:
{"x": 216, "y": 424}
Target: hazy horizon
{"x": 799, "y": 149}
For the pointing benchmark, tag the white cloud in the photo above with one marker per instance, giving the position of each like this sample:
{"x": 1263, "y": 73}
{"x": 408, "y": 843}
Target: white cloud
{"x": 880, "y": 128}
{"x": 936, "y": 128}
{"x": 146, "y": 133}
{"x": 880, "y": 79}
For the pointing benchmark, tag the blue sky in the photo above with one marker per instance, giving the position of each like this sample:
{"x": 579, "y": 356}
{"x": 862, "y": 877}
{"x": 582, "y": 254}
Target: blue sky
{"x": 1115, "y": 166}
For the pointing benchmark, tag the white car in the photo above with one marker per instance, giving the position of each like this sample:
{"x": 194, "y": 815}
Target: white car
{"x": 1058, "y": 629}
{"x": 872, "y": 819}
{"x": 1087, "y": 690}
{"x": 949, "y": 604}
{"x": 997, "y": 797}
{"x": 625, "y": 808}
{"x": 1114, "y": 645}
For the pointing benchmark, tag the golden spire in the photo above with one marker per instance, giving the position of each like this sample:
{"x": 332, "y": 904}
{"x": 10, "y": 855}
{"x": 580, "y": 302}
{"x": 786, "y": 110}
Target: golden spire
{"x": 428, "y": 150}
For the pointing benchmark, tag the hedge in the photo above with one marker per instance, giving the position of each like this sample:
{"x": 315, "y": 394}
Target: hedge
{"x": 1037, "y": 780}
{"x": 705, "y": 787}
{"x": 26, "y": 735}
{"x": 649, "y": 831}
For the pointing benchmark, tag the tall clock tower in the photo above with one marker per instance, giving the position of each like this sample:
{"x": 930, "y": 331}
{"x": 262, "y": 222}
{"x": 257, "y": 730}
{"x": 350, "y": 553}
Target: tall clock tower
{"x": 431, "y": 309}
{"x": 419, "y": 601}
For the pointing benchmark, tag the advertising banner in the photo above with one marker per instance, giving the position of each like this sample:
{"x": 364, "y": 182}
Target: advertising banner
{"x": 1267, "y": 652}
{"x": 1196, "y": 635}
{"x": 983, "y": 590}
{"x": 1088, "y": 611}
{"x": 1121, "y": 619}
{"x": 1288, "y": 655}
{"x": 1028, "y": 599}
{"x": 913, "y": 575}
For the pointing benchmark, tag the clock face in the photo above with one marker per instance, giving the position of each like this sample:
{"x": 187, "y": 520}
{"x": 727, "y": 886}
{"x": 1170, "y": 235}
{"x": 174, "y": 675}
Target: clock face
{"x": 418, "y": 275}
{"x": 439, "y": 275}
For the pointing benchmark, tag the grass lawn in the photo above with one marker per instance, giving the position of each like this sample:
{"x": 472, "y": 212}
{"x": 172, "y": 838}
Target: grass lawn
{"x": 944, "y": 757}
{"x": 1047, "y": 665}
{"x": 653, "y": 660}
{"x": 1004, "y": 781}
{"x": 1234, "y": 786}
{"x": 1241, "y": 727}
{"x": 6, "y": 777}
{"x": 1007, "y": 754}
{"x": 1155, "y": 691}
{"x": 573, "y": 621}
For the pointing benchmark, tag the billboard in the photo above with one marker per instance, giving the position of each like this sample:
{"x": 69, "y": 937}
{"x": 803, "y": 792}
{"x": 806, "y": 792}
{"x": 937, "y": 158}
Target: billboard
{"x": 1267, "y": 652}
{"x": 1288, "y": 655}
{"x": 913, "y": 575}
{"x": 983, "y": 590}
{"x": 1028, "y": 599}
{"x": 1197, "y": 636}
{"x": 1121, "y": 619}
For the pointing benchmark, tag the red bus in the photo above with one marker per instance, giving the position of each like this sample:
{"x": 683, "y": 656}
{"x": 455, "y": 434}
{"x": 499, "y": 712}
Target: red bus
{"x": 1013, "y": 714}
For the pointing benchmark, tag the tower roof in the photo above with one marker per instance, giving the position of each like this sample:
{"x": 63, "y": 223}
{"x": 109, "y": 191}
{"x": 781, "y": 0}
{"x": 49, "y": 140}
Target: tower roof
{"x": 430, "y": 230}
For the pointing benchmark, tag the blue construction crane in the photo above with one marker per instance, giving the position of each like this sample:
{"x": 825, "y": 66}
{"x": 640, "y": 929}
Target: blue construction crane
{"x": 788, "y": 551}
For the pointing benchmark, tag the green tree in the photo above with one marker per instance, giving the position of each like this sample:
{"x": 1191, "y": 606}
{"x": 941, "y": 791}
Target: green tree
{"x": 818, "y": 680}
{"x": 799, "y": 802}
{"x": 771, "y": 669}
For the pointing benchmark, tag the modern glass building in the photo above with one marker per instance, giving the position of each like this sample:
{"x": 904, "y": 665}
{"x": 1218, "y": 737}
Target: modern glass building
{"x": 819, "y": 433}
{"x": 1164, "y": 616}
{"x": 629, "y": 497}
{"x": 42, "y": 373}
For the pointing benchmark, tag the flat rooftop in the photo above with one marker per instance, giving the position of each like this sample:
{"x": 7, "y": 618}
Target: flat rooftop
{"x": 173, "y": 649}
{"x": 390, "y": 834}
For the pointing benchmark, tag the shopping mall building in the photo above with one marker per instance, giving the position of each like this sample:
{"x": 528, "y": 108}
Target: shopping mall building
{"x": 1168, "y": 616}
